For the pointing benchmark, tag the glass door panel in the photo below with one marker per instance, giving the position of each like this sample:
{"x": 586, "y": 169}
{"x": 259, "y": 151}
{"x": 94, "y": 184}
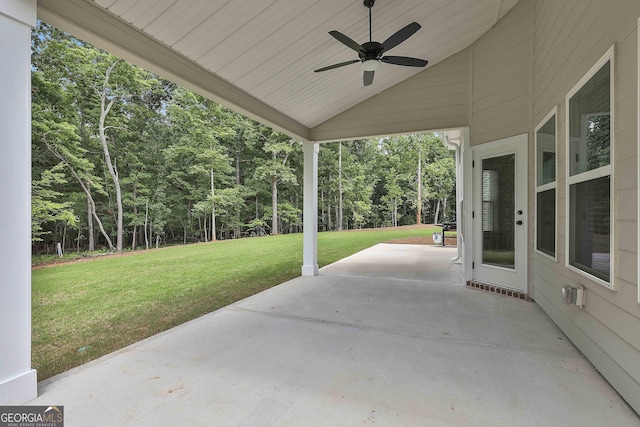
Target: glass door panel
{"x": 498, "y": 211}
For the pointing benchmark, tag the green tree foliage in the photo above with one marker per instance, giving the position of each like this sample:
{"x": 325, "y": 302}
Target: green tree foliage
{"x": 122, "y": 157}
{"x": 275, "y": 167}
{"x": 44, "y": 207}
{"x": 197, "y": 159}
{"x": 84, "y": 100}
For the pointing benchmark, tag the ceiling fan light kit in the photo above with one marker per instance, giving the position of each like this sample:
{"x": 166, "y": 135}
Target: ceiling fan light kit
{"x": 371, "y": 53}
{"x": 370, "y": 65}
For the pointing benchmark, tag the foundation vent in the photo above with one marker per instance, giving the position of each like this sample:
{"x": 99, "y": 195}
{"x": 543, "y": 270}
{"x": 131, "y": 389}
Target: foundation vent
{"x": 498, "y": 290}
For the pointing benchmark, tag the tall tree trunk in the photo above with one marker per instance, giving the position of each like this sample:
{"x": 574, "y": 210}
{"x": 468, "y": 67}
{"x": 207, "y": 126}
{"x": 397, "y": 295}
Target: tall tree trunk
{"x": 322, "y": 213}
{"x": 395, "y": 212}
{"x": 419, "y": 203}
{"x": 444, "y": 209}
{"x": 213, "y": 209}
{"x": 274, "y": 206}
{"x": 100, "y": 226}
{"x": 105, "y": 107}
{"x": 146, "y": 221}
{"x": 340, "y": 204}
{"x": 336, "y": 213}
{"x": 92, "y": 244}
{"x": 437, "y": 214}
{"x": 274, "y": 191}
{"x": 92, "y": 204}
{"x": 135, "y": 214}
{"x": 184, "y": 234}
{"x": 329, "y": 224}
{"x": 238, "y": 210}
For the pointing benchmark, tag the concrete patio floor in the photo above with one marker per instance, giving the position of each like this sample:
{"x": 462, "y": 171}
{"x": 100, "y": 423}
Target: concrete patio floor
{"x": 389, "y": 336}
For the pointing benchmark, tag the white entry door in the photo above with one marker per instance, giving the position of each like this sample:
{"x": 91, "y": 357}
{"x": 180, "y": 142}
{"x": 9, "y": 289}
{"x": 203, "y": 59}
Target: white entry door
{"x": 500, "y": 213}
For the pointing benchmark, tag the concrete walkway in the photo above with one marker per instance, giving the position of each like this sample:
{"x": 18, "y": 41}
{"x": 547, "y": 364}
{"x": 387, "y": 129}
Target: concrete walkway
{"x": 389, "y": 336}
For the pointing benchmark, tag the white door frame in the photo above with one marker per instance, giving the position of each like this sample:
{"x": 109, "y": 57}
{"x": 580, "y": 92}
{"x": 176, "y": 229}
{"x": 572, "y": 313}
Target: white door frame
{"x": 471, "y": 224}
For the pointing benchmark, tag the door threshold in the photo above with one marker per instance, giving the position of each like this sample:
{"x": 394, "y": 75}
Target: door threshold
{"x": 498, "y": 290}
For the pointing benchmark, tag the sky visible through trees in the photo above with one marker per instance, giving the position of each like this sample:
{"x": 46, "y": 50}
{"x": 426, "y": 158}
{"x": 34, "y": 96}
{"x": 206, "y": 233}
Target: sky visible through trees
{"x": 124, "y": 159}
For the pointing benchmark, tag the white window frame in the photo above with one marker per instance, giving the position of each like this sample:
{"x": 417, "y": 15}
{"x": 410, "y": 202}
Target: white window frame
{"x": 545, "y": 187}
{"x": 600, "y": 172}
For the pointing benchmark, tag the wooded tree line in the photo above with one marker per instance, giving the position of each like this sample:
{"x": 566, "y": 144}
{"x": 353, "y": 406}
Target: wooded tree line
{"x": 125, "y": 159}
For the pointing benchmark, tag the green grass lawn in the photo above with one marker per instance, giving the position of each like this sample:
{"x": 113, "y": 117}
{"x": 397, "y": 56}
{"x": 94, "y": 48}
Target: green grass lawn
{"x": 86, "y": 309}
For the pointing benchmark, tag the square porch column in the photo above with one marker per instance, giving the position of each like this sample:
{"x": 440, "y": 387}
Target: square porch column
{"x": 18, "y": 382}
{"x": 310, "y": 209}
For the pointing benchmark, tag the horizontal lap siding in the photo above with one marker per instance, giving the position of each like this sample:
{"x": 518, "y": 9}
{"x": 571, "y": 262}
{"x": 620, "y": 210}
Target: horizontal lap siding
{"x": 581, "y": 330}
{"x": 434, "y": 99}
{"x": 569, "y": 38}
{"x": 501, "y": 79}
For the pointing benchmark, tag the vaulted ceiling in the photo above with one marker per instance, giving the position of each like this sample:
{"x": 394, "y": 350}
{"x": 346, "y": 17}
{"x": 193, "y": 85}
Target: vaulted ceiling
{"x": 258, "y": 56}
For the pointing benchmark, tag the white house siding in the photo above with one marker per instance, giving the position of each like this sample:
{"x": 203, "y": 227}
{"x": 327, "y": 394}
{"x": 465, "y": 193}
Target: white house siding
{"x": 569, "y": 38}
{"x": 434, "y": 99}
{"x": 501, "y": 79}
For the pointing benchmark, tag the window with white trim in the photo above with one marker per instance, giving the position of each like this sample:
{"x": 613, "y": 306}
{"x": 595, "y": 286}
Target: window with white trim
{"x": 589, "y": 173}
{"x": 546, "y": 186}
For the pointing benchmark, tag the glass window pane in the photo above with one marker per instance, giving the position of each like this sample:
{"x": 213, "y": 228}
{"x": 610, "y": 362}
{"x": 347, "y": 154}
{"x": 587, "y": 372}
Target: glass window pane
{"x": 546, "y": 222}
{"x": 589, "y": 219}
{"x": 546, "y": 152}
{"x": 498, "y": 211}
{"x": 589, "y": 124}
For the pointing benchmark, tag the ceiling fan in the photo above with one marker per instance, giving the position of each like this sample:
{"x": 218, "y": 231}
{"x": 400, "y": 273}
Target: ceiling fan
{"x": 372, "y": 53}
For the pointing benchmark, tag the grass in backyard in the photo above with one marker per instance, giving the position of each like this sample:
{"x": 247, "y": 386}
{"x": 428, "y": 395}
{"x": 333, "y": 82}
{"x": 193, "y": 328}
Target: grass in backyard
{"x": 86, "y": 309}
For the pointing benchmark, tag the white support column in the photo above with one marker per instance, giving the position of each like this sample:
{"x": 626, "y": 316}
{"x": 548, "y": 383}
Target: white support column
{"x": 453, "y": 141}
{"x": 310, "y": 210}
{"x": 18, "y": 382}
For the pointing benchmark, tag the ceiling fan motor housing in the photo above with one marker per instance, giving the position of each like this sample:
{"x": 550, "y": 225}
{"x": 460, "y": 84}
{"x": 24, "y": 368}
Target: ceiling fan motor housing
{"x": 371, "y": 50}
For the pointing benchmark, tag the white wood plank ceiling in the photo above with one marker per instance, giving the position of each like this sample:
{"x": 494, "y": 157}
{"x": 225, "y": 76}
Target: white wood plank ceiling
{"x": 269, "y": 48}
